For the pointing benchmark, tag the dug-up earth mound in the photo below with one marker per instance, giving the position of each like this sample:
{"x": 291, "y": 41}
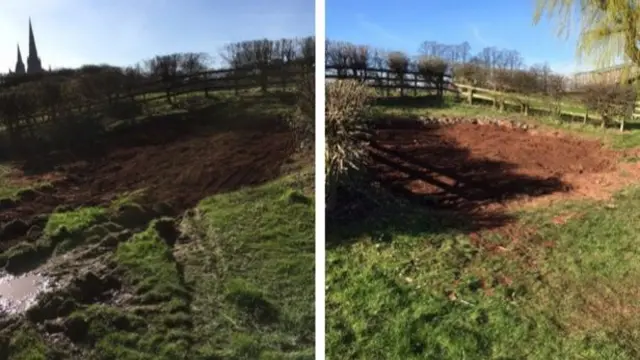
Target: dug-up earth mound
{"x": 475, "y": 165}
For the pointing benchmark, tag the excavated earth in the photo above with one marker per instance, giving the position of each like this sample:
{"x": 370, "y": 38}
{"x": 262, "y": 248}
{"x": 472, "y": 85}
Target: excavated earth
{"x": 175, "y": 164}
{"x": 471, "y": 167}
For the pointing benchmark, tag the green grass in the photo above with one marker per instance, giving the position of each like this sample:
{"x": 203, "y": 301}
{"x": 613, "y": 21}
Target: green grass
{"x": 25, "y": 344}
{"x": 239, "y": 286}
{"x": 163, "y": 330}
{"x": 74, "y": 220}
{"x": 575, "y": 300}
{"x": 251, "y": 265}
{"x": 9, "y": 189}
{"x": 408, "y": 283}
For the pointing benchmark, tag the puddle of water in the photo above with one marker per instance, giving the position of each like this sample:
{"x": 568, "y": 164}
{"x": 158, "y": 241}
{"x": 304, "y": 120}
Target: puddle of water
{"x": 19, "y": 293}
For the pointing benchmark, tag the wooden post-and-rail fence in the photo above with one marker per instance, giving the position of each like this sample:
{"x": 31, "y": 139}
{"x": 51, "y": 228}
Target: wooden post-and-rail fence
{"x": 149, "y": 90}
{"x": 387, "y": 80}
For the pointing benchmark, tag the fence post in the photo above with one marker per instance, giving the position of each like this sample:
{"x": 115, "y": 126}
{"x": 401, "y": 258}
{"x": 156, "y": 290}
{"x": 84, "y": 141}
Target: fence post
{"x": 388, "y": 85}
{"x": 236, "y": 86}
{"x": 206, "y": 85}
{"x": 470, "y": 96}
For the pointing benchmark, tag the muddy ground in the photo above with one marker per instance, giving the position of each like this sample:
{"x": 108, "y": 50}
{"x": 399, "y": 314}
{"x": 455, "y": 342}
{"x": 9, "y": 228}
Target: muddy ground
{"x": 176, "y": 164}
{"x": 481, "y": 171}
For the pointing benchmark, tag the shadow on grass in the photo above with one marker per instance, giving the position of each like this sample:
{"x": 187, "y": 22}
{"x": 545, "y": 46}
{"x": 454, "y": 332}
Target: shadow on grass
{"x": 443, "y": 186}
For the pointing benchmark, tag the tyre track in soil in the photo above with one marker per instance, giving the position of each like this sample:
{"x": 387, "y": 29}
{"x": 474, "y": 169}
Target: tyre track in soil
{"x": 178, "y": 172}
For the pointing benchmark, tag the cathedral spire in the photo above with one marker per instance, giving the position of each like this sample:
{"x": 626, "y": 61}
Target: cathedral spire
{"x": 19, "y": 64}
{"x": 33, "y": 61}
{"x": 33, "y": 51}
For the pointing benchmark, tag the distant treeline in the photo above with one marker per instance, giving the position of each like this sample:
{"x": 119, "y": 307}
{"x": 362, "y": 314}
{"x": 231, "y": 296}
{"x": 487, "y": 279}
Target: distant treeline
{"x": 254, "y": 55}
{"x": 503, "y": 71}
{"x": 492, "y": 68}
{"x": 65, "y": 96}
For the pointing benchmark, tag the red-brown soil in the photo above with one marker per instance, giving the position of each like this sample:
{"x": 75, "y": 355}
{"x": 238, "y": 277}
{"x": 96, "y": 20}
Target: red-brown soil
{"x": 176, "y": 164}
{"x": 483, "y": 169}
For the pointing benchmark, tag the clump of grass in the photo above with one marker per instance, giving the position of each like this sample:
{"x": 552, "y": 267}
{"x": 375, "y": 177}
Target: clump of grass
{"x": 25, "y": 344}
{"x": 129, "y": 198}
{"x": 73, "y": 221}
{"x": 10, "y": 189}
{"x": 63, "y": 230}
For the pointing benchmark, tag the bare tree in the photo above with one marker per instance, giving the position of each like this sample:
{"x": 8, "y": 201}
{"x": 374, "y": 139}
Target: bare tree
{"x": 165, "y": 68}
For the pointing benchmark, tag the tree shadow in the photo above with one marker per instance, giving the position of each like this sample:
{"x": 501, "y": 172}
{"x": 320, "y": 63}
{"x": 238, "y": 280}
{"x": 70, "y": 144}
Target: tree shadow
{"x": 443, "y": 186}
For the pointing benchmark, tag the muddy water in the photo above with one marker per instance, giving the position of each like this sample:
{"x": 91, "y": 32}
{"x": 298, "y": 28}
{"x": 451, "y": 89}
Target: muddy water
{"x": 19, "y": 293}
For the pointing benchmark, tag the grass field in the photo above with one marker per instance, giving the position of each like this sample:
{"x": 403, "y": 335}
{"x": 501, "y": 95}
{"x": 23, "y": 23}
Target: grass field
{"x": 190, "y": 236}
{"x": 552, "y": 281}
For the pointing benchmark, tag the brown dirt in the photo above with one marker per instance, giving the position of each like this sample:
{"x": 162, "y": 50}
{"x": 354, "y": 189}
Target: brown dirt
{"x": 482, "y": 169}
{"x": 177, "y": 165}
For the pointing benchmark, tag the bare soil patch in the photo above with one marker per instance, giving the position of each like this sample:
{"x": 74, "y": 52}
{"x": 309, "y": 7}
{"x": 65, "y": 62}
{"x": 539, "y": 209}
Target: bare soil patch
{"x": 177, "y": 163}
{"x": 484, "y": 170}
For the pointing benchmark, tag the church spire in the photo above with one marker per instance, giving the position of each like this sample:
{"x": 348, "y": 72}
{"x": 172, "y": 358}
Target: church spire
{"x": 33, "y": 61}
{"x": 33, "y": 51}
{"x": 19, "y": 64}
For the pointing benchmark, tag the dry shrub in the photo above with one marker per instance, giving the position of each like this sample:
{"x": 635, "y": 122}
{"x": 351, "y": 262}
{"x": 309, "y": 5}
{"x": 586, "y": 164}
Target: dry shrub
{"x": 10, "y": 111}
{"x": 348, "y": 133}
{"x": 17, "y": 113}
{"x": 302, "y": 121}
{"x": 555, "y": 91}
{"x": 433, "y": 69}
{"x": 124, "y": 109}
{"x": 432, "y": 66}
{"x": 398, "y": 63}
{"x": 523, "y": 82}
{"x": 610, "y": 101}
{"x": 470, "y": 74}
{"x": 75, "y": 132}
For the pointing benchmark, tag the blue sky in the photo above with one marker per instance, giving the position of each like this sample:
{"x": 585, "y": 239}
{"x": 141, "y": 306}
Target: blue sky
{"x": 501, "y": 23}
{"x": 70, "y": 33}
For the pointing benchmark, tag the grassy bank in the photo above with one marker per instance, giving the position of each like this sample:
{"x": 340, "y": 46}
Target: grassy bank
{"x": 250, "y": 263}
{"x": 555, "y": 291}
{"x": 231, "y": 279}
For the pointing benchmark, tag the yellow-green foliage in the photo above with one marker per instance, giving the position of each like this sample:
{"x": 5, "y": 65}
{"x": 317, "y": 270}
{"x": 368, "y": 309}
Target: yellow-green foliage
{"x": 608, "y": 29}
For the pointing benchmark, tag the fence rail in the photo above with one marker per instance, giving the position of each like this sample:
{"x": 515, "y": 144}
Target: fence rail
{"x": 210, "y": 81}
{"x": 386, "y": 79}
